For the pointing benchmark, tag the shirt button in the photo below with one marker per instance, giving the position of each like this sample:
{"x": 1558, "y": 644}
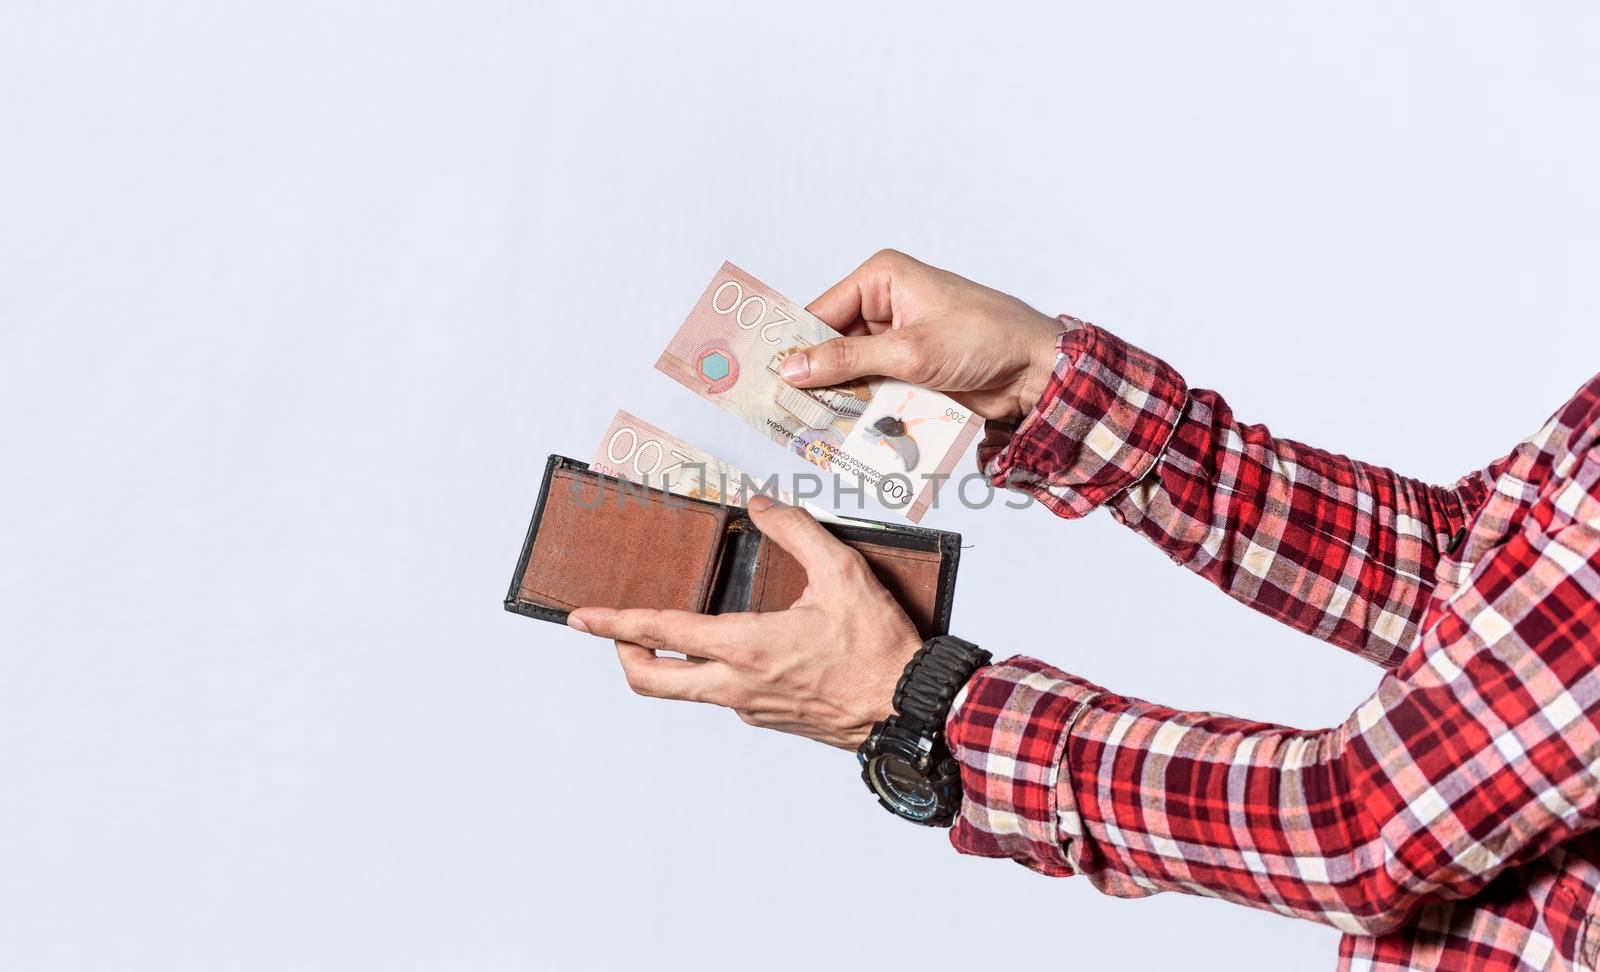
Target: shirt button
{"x": 1456, "y": 539}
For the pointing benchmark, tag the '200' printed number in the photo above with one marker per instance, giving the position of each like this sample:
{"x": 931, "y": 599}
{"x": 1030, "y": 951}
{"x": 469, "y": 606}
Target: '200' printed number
{"x": 749, "y": 311}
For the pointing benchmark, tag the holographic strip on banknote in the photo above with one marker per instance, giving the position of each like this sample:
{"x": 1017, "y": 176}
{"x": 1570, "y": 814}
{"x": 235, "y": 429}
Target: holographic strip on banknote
{"x": 900, "y": 440}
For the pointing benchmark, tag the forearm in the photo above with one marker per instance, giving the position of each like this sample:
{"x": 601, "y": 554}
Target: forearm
{"x": 1343, "y": 550}
{"x": 1305, "y": 824}
{"x": 1480, "y": 752}
{"x": 1337, "y": 548}
{"x": 1141, "y": 799}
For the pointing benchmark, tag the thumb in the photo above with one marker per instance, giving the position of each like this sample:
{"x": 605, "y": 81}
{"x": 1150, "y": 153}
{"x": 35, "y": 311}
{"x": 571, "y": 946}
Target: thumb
{"x": 890, "y": 354}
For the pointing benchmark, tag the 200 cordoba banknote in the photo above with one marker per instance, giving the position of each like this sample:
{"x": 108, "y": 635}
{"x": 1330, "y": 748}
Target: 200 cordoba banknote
{"x": 900, "y": 440}
{"x": 639, "y": 452}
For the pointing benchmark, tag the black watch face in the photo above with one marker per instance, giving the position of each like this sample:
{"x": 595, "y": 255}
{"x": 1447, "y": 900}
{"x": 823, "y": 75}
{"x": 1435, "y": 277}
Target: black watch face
{"x": 903, "y": 786}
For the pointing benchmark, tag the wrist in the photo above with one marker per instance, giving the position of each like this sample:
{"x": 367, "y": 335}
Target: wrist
{"x": 933, "y": 677}
{"x": 875, "y": 698}
{"x": 1106, "y": 418}
{"x": 1040, "y": 365}
{"x": 905, "y": 762}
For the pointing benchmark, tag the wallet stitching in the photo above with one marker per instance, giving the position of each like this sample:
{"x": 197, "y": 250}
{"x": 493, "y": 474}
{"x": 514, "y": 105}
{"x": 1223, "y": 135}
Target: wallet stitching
{"x": 943, "y": 620}
{"x": 548, "y": 597}
{"x": 699, "y": 590}
{"x": 934, "y": 559}
{"x": 514, "y": 595}
{"x": 534, "y": 610}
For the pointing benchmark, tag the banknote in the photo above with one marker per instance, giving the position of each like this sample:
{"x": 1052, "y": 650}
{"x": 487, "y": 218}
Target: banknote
{"x": 639, "y": 452}
{"x": 899, "y": 440}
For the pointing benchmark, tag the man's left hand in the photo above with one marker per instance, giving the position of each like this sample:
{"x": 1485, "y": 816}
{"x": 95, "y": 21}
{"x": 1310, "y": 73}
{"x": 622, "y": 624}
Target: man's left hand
{"x": 825, "y": 668}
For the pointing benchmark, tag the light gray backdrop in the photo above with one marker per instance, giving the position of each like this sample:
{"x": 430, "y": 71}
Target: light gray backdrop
{"x": 297, "y": 297}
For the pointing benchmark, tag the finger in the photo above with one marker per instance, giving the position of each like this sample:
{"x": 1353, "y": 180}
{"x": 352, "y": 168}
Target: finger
{"x": 697, "y": 635}
{"x": 819, "y": 552}
{"x": 892, "y": 354}
{"x": 865, "y": 295}
{"x": 840, "y": 306}
{"x": 671, "y": 678}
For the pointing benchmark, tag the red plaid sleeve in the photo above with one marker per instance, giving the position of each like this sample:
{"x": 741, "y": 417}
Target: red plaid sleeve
{"x": 1340, "y": 549}
{"x": 1480, "y": 752}
{"x": 1013, "y": 726}
{"x": 1099, "y": 427}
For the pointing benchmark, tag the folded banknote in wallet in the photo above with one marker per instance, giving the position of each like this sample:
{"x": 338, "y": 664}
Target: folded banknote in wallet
{"x": 600, "y": 541}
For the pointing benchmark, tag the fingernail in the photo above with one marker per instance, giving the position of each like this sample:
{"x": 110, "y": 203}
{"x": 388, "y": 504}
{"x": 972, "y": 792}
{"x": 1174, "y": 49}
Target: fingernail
{"x": 795, "y": 367}
{"x": 759, "y": 502}
{"x": 576, "y": 623}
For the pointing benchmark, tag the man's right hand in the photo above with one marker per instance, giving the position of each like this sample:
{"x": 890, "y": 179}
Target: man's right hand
{"x": 904, "y": 319}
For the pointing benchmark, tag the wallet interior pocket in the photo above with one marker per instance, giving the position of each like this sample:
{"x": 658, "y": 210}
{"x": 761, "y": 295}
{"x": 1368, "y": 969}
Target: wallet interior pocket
{"x": 596, "y": 548}
{"x": 910, "y": 574}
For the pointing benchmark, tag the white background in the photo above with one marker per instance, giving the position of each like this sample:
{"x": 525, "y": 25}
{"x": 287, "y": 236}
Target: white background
{"x": 296, "y": 298}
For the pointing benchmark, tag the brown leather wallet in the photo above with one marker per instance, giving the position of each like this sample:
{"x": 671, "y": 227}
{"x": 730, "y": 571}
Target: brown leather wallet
{"x": 597, "y": 541}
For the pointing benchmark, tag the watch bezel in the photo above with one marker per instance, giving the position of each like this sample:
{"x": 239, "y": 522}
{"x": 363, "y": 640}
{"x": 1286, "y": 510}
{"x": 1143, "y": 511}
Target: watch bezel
{"x": 922, "y": 754}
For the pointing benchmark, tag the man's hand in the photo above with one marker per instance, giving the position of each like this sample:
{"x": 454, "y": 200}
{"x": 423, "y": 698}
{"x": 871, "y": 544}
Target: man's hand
{"x": 904, "y": 319}
{"x": 825, "y": 669}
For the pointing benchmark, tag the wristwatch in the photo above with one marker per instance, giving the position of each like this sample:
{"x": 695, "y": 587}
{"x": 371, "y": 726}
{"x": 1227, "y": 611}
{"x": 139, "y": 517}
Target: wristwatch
{"x": 905, "y": 761}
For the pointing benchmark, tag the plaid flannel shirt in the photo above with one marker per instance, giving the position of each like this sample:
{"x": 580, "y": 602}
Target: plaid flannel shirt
{"x": 1448, "y": 822}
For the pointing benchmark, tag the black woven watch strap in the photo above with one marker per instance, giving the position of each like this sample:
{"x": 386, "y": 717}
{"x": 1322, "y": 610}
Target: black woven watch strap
{"x": 931, "y": 680}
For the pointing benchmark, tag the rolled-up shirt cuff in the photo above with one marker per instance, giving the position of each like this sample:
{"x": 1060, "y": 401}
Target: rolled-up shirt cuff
{"x": 1104, "y": 420}
{"x": 1008, "y": 730}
